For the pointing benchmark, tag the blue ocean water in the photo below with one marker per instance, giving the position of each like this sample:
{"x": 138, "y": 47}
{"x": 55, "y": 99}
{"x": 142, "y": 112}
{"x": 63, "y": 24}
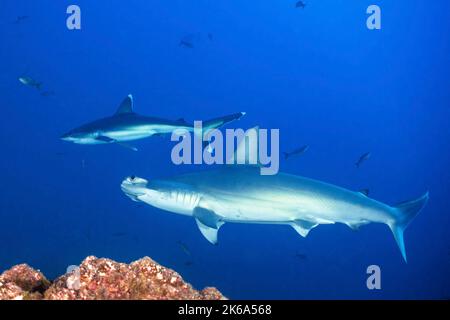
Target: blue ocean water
{"x": 318, "y": 74}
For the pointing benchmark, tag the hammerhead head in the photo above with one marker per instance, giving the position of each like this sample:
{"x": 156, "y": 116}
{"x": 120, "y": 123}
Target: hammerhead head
{"x": 126, "y": 125}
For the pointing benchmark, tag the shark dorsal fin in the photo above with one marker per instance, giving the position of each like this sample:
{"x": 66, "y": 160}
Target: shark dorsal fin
{"x": 126, "y": 106}
{"x": 364, "y": 192}
{"x": 247, "y": 151}
{"x": 181, "y": 121}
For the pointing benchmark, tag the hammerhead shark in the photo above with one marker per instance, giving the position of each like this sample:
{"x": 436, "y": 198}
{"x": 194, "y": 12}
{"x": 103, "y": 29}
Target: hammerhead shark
{"x": 126, "y": 125}
{"x": 238, "y": 193}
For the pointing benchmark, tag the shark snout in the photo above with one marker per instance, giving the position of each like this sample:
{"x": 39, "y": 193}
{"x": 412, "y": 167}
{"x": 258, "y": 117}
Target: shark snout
{"x": 68, "y": 136}
{"x": 134, "y": 187}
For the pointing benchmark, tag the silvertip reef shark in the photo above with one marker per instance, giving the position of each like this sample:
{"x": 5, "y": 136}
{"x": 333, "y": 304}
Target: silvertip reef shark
{"x": 238, "y": 193}
{"x": 126, "y": 125}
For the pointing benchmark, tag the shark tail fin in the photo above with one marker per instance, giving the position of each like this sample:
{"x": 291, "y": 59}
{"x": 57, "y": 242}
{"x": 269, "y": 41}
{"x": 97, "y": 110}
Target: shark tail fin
{"x": 405, "y": 213}
{"x": 215, "y": 124}
{"x": 220, "y": 121}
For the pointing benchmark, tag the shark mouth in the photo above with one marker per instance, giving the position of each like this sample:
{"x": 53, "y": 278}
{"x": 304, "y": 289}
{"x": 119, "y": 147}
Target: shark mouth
{"x": 134, "y": 187}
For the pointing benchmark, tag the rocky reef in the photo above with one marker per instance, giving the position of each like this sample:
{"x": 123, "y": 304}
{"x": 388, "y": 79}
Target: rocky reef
{"x": 100, "y": 278}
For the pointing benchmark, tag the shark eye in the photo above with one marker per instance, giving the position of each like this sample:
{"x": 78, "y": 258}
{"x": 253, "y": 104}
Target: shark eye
{"x": 132, "y": 178}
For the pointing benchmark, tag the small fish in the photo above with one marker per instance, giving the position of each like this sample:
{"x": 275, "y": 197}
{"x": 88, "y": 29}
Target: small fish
{"x": 301, "y": 256}
{"x": 300, "y": 4}
{"x": 298, "y": 151}
{"x": 47, "y": 93}
{"x": 184, "y": 247}
{"x": 30, "y": 82}
{"x": 362, "y": 158}
{"x": 19, "y": 19}
{"x": 186, "y": 44}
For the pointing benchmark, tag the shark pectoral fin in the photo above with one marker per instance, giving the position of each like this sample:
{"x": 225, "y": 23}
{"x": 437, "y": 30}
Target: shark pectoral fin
{"x": 209, "y": 233}
{"x": 110, "y": 140}
{"x": 208, "y": 222}
{"x": 303, "y": 226}
{"x": 158, "y": 135}
{"x": 105, "y": 139}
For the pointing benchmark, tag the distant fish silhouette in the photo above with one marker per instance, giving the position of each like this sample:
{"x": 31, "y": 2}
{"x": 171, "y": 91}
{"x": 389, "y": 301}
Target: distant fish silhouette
{"x": 184, "y": 247}
{"x": 186, "y": 44}
{"x": 47, "y": 93}
{"x": 20, "y": 19}
{"x": 362, "y": 158}
{"x": 297, "y": 151}
{"x": 191, "y": 40}
{"x": 301, "y": 256}
{"x": 30, "y": 82}
{"x": 300, "y": 4}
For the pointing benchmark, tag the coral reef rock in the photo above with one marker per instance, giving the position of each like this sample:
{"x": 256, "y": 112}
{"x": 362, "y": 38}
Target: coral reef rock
{"x": 22, "y": 282}
{"x": 105, "y": 279}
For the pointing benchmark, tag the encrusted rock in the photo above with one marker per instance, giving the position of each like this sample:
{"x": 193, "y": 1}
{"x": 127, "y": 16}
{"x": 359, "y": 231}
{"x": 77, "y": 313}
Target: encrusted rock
{"x": 103, "y": 279}
{"x": 22, "y": 282}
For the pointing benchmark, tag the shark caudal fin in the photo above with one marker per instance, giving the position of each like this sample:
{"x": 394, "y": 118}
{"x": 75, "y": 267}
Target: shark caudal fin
{"x": 220, "y": 121}
{"x": 405, "y": 213}
{"x": 215, "y": 124}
